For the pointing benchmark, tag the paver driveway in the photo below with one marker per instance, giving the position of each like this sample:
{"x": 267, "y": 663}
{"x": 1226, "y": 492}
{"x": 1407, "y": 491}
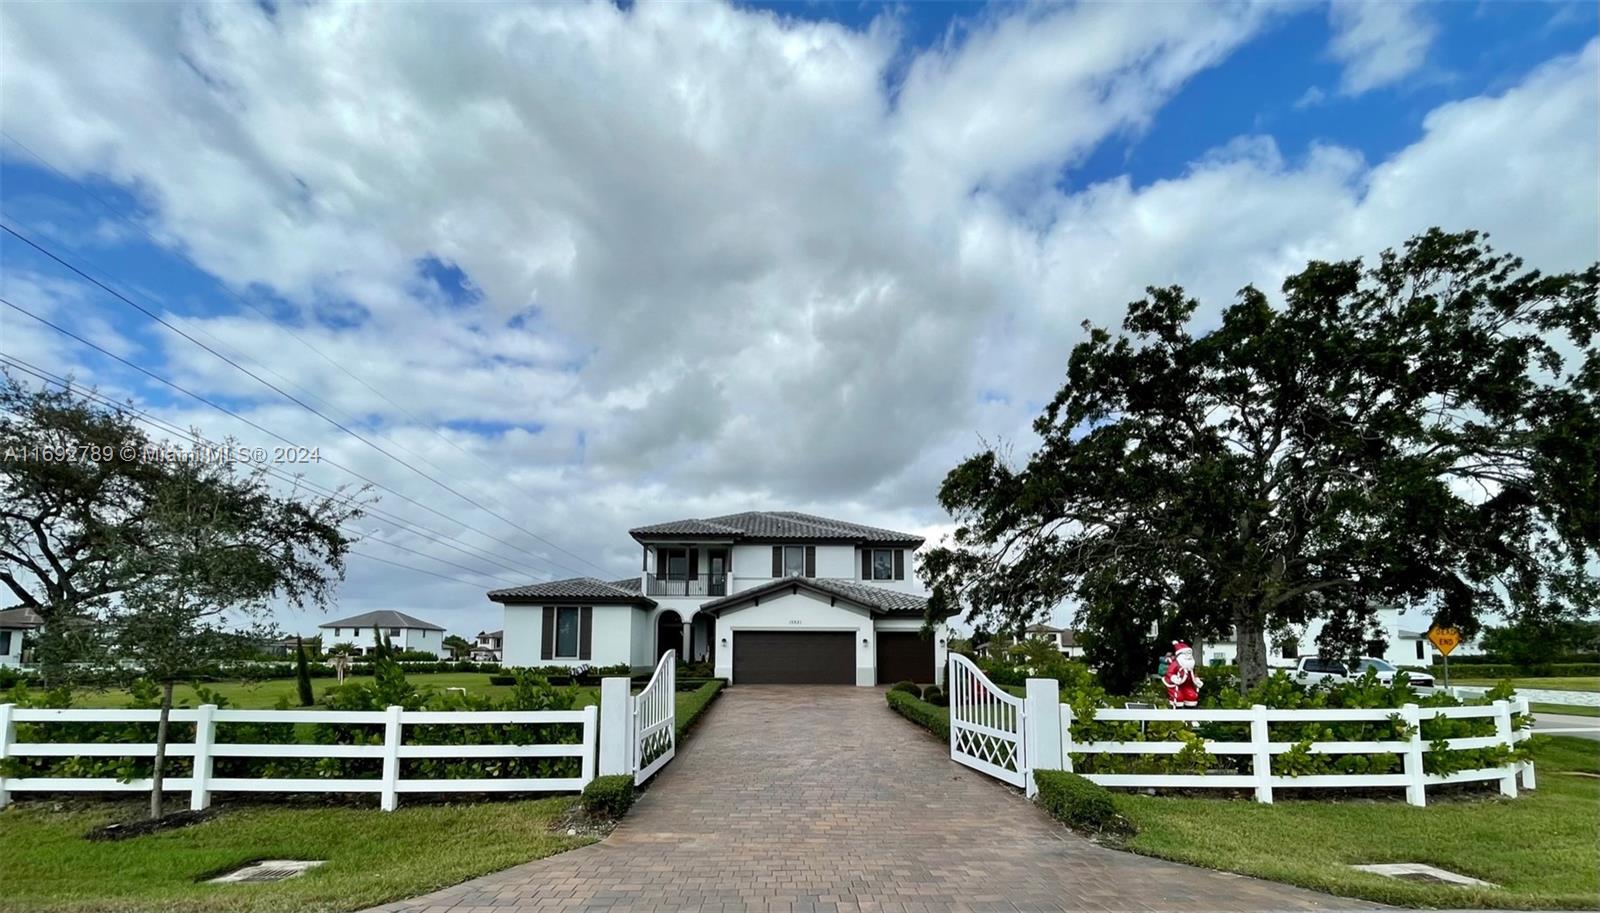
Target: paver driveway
{"x": 800, "y": 799}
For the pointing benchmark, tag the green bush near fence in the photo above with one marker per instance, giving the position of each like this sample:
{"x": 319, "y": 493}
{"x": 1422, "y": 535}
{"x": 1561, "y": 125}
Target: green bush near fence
{"x": 691, "y": 705}
{"x": 609, "y": 796}
{"x": 934, "y": 719}
{"x": 1076, "y": 802}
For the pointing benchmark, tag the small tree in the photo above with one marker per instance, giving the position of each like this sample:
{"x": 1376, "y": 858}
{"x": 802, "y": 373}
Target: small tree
{"x": 218, "y": 546}
{"x": 302, "y": 674}
{"x": 458, "y": 646}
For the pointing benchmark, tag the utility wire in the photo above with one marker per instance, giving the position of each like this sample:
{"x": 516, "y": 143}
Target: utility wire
{"x": 417, "y": 570}
{"x": 159, "y": 424}
{"x": 273, "y": 434}
{"x": 291, "y": 397}
{"x": 119, "y": 214}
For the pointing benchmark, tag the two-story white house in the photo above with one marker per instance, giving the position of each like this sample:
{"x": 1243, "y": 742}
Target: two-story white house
{"x": 405, "y": 632}
{"x": 17, "y": 625}
{"x": 764, "y": 596}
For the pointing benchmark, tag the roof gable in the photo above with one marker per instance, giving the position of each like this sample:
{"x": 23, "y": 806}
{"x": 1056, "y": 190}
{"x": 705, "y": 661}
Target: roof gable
{"x": 875, "y": 599}
{"x": 575, "y": 589}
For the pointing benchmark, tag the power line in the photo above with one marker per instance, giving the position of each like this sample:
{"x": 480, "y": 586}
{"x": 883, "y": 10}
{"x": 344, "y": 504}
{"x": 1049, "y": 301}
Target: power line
{"x": 272, "y": 434}
{"x": 147, "y": 418}
{"x": 108, "y": 207}
{"x": 417, "y": 570}
{"x": 291, "y": 397}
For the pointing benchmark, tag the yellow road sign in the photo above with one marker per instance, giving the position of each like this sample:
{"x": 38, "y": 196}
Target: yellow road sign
{"x": 1445, "y": 639}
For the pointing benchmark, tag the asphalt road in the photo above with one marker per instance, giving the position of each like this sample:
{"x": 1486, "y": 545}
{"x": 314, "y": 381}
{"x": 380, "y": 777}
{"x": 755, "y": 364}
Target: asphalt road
{"x": 1583, "y": 727}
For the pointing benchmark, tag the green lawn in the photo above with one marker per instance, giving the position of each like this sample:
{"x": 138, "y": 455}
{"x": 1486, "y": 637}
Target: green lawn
{"x": 47, "y": 866}
{"x": 1541, "y": 848}
{"x": 1557, "y": 683}
{"x": 1564, "y": 709}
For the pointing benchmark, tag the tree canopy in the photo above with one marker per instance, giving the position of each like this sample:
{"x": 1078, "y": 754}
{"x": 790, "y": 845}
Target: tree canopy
{"x": 1422, "y": 433}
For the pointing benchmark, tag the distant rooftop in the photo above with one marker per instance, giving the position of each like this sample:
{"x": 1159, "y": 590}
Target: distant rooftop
{"x": 385, "y": 618}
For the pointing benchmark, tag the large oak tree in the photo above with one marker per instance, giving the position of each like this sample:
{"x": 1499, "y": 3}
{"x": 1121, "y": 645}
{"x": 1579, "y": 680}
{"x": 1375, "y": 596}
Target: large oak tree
{"x": 1423, "y": 432}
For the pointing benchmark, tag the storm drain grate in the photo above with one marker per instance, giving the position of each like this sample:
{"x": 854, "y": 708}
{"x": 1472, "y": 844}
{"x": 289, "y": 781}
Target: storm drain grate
{"x": 268, "y": 870}
{"x": 1417, "y": 871}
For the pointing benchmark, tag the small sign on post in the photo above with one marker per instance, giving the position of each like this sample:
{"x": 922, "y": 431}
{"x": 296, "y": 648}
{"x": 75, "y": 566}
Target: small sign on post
{"x": 1445, "y": 640}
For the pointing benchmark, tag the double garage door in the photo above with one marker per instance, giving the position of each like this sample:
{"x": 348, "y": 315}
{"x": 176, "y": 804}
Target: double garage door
{"x": 826, "y": 657}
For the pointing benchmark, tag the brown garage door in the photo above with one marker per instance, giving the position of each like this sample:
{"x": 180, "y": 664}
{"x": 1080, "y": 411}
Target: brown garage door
{"x": 904, "y": 656}
{"x": 794, "y": 658}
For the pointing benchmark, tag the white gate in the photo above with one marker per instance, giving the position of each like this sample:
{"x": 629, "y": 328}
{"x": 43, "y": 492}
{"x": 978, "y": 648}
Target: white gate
{"x": 985, "y": 724}
{"x": 655, "y": 739}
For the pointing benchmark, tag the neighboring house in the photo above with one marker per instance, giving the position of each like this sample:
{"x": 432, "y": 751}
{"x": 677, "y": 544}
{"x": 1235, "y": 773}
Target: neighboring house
{"x": 286, "y": 646}
{"x": 1063, "y": 639}
{"x": 17, "y": 626}
{"x": 405, "y": 632}
{"x": 764, "y": 596}
{"x": 1405, "y": 644}
{"x": 487, "y": 646}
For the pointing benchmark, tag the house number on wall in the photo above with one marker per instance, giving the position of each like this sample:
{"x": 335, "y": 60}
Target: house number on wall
{"x": 794, "y": 621}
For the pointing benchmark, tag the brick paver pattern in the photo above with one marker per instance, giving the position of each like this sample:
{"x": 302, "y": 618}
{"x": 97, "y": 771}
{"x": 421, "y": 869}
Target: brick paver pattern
{"x": 799, "y": 799}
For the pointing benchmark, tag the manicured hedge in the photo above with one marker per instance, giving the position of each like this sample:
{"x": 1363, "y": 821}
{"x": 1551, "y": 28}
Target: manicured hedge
{"x": 1459, "y": 669}
{"x": 908, "y": 687}
{"x": 609, "y": 796}
{"x": 693, "y": 705}
{"x": 1074, "y": 801}
{"x": 934, "y": 719}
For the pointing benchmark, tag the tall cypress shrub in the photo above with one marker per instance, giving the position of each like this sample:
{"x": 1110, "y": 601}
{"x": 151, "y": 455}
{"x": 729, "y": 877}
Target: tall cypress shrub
{"x": 302, "y": 674}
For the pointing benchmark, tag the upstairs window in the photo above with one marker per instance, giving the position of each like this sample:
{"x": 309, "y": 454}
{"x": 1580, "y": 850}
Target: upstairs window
{"x": 794, "y": 561}
{"x": 394, "y": 632}
{"x": 883, "y": 564}
{"x": 567, "y": 632}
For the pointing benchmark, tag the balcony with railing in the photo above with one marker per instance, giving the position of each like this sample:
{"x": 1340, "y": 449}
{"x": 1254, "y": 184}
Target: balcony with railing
{"x": 673, "y": 584}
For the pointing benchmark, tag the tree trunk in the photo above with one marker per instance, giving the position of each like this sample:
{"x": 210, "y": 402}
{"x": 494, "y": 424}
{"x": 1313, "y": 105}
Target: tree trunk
{"x": 1250, "y": 637}
{"x": 157, "y": 769}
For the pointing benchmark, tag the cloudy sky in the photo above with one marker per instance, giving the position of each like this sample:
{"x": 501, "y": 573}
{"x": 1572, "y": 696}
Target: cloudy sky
{"x": 586, "y": 267}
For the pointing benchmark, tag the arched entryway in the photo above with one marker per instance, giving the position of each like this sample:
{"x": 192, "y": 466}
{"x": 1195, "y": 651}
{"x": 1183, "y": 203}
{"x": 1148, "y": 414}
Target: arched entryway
{"x": 669, "y": 633}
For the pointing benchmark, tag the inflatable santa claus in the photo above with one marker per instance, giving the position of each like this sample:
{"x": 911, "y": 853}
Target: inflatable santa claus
{"x": 1183, "y": 686}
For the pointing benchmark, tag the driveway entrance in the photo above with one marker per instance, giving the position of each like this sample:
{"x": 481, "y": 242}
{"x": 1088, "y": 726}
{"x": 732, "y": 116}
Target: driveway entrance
{"x": 816, "y": 799}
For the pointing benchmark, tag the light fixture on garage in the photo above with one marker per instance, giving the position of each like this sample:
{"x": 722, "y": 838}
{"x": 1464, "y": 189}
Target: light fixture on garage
{"x": 865, "y": 642}
{"x": 724, "y": 641}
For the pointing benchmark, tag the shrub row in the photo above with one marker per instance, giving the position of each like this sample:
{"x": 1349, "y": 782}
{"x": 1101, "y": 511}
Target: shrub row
{"x": 1460, "y": 669}
{"x": 932, "y": 718}
{"x": 691, "y": 707}
{"x": 1076, "y": 802}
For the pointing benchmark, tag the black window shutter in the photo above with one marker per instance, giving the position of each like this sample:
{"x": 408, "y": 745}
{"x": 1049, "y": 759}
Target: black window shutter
{"x": 694, "y": 564}
{"x": 547, "y": 643}
{"x": 899, "y": 564}
{"x": 585, "y": 631}
{"x": 644, "y": 558}
{"x": 777, "y": 561}
{"x": 866, "y": 564}
{"x": 811, "y": 561}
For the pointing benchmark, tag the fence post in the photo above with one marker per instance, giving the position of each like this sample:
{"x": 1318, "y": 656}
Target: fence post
{"x": 1066, "y": 737}
{"x": 1416, "y": 792}
{"x": 616, "y": 727}
{"x": 8, "y": 734}
{"x": 1502, "y": 730}
{"x": 1261, "y": 755}
{"x": 591, "y": 726}
{"x": 1041, "y": 729}
{"x": 390, "y": 797}
{"x": 1527, "y": 766}
{"x": 205, "y": 734}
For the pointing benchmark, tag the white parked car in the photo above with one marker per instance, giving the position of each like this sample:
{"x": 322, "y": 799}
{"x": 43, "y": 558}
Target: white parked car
{"x": 1313, "y": 669}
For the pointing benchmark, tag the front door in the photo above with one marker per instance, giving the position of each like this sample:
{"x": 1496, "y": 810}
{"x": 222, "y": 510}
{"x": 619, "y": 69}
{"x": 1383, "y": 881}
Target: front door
{"x": 669, "y": 635}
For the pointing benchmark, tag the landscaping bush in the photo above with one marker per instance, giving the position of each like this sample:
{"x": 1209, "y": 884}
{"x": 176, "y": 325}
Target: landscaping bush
{"x": 1460, "y": 669}
{"x": 609, "y": 796}
{"x": 934, "y": 719}
{"x": 908, "y": 687}
{"x": 502, "y": 679}
{"x": 1074, "y": 801}
{"x": 934, "y": 696}
{"x": 690, "y": 709}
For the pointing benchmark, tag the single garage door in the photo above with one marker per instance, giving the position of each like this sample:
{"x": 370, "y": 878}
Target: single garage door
{"x": 904, "y": 656}
{"x": 794, "y": 658}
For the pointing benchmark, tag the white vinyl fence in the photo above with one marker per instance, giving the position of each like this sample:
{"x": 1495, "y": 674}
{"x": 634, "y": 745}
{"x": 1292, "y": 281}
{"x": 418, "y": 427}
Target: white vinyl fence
{"x": 626, "y": 734}
{"x": 985, "y": 724}
{"x": 1045, "y": 725}
{"x": 205, "y": 748}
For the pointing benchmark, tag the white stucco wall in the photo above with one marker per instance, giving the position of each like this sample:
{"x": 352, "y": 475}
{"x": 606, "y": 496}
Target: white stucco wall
{"x": 611, "y": 639}
{"x": 799, "y": 612}
{"x": 418, "y": 639}
{"x": 752, "y": 566}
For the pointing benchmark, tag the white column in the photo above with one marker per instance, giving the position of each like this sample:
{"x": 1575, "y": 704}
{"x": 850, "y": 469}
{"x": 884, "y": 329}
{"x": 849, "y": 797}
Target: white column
{"x": 205, "y": 735}
{"x": 390, "y": 797}
{"x": 616, "y": 727}
{"x": 591, "y": 735}
{"x": 1528, "y": 781}
{"x": 8, "y": 734}
{"x": 1502, "y": 729}
{"x": 1066, "y": 737}
{"x": 1042, "y": 728}
{"x": 688, "y": 640}
{"x": 1259, "y": 737}
{"x": 1416, "y": 792}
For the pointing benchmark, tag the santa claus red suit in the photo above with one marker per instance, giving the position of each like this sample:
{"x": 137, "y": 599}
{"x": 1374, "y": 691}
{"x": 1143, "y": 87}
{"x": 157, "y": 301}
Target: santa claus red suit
{"x": 1183, "y": 686}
